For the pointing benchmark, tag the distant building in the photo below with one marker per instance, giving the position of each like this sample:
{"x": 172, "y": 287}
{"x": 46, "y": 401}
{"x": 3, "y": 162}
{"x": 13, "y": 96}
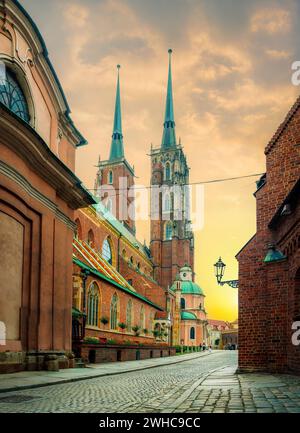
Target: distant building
{"x": 214, "y": 330}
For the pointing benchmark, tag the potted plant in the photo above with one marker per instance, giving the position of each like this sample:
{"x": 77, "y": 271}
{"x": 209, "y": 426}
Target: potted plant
{"x": 156, "y": 333}
{"x": 136, "y": 330}
{"x": 122, "y": 325}
{"x": 91, "y": 340}
{"x": 145, "y": 331}
{"x": 104, "y": 320}
{"x": 111, "y": 341}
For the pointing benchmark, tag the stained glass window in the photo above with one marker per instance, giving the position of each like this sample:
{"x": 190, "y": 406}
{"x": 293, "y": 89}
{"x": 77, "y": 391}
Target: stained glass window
{"x": 106, "y": 251}
{"x": 12, "y": 96}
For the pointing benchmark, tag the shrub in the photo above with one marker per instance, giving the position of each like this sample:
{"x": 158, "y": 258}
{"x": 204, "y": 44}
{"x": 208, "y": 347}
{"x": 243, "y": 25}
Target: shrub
{"x": 104, "y": 320}
{"x": 136, "y": 330}
{"x": 145, "y": 331}
{"x": 122, "y": 325}
{"x": 91, "y": 340}
{"x": 111, "y": 341}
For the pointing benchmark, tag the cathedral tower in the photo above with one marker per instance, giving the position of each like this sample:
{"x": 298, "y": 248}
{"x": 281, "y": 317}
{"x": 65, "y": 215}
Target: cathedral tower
{"x": 115, "y": 176}
{"x": 172, "y": 240}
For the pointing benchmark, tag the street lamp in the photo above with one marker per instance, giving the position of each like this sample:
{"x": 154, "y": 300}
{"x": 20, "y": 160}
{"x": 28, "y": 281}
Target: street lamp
{"x": 219, "y": 273}
{"x": 84, "y": 275}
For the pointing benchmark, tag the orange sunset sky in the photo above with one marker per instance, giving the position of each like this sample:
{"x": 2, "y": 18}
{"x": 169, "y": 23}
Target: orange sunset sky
{"x": 231, "y": 85}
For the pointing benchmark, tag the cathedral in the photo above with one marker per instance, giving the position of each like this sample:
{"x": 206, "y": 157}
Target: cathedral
{"x": 76, "y": 280}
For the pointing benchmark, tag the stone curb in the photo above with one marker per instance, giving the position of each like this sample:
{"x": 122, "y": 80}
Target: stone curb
{"x": 77, "y": 379}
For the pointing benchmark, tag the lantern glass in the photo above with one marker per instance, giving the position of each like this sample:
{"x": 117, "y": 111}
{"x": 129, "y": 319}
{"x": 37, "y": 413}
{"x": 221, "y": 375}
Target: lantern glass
{"x": 219, "y": 269}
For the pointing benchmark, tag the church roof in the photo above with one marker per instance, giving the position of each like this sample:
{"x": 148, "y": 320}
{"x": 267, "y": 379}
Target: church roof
{"x": 186, "y": 315}
{"x": 189, "y": 288}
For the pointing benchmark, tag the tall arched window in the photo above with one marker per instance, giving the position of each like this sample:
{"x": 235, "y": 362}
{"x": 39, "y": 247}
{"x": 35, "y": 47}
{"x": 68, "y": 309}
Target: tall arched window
{"x": 78, "y": 230}
{"x": 167, "y": 203}
{"x": 192, "y": 333}
{"x": 114, "y": 312}
{"x": 142, "y": 318}
{"x": 168, "y": 171}
{"x": 129, "y": 315}
{"x": 110, "y": 177}
{"x": 182, "y": 303}
{"x": 168, "y": 231}
{"x": 91, "y": 238}
{"x": 106, "y": 251}
{"x": 93, "y": 304}
{"x": 108, "y": 205}
{"x": 12, "y": 96}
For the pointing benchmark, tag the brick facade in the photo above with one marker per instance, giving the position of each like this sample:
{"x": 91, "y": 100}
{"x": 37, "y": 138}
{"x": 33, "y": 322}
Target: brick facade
{"x": 269, "y": 292}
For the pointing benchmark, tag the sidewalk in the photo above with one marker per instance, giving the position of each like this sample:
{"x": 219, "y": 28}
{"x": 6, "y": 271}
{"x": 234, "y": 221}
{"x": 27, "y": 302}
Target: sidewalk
{"x": 35, "y": 379}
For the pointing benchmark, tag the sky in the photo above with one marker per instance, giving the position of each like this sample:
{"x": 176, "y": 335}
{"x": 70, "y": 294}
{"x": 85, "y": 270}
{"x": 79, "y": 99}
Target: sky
{"x": 232, "y": 88}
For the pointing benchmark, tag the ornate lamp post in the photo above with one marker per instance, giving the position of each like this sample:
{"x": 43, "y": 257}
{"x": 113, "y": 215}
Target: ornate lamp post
{"x": 84, "y": 275}
{"x": 219, "y": 273}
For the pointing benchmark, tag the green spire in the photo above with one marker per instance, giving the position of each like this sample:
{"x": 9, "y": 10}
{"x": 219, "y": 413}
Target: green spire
{"x": 117, "y": 149}
{"x": 169, "y": 138}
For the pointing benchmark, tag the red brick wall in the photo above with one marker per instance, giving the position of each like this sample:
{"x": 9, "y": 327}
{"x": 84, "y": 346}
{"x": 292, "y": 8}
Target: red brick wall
{"x": 266, "y": 291}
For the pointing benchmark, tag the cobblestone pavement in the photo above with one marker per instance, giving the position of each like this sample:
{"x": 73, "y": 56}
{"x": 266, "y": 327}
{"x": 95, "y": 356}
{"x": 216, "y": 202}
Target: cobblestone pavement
{"x": 207, "y": 384}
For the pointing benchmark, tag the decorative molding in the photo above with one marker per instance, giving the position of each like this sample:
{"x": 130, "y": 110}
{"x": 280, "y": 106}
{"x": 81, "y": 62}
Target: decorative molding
{"x": 15, "y": 176}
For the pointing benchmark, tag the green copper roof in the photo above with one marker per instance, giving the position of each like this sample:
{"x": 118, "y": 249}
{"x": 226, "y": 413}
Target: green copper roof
{"x": 117, "y": 148}
{"x": 274, "y": 255}
{"x": 169, "y": 138}
{"x": 189, "y": 288}
{"x": 185, "y": 315}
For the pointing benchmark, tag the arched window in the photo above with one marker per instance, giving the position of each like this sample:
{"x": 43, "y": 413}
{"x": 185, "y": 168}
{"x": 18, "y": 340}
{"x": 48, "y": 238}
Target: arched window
{"x": 12, "y": 96}
{"x": 131, "y": 260}
{"x": 167, "y": 203}
{"x": 114, "y": 312}
{"x": 124, "y": 253}
{"x": 168, "y": 231}
{"x": 108, "y": 205}
{"x": 129, "y": 315}
{"x": 182, "y": 303}
{"x": 106, "y": 251}
{"x": 192, "y": 333}
{"x": 168, "y": 171}
{"x": 110, "y": 177}
{"x": 93, "y": 303}
{"x": 142, "y": 318}
{"x": 78, "y": 230}
{"x": 91, "y": 238}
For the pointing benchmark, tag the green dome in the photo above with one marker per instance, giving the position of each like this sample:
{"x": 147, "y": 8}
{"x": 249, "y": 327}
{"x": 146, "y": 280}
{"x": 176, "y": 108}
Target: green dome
{"x": 189, "y": 288}
{"x": 185, "y": 315}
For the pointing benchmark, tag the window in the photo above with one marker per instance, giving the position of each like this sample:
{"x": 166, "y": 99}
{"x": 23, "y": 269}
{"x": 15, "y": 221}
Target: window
{"x": 78, "y": 230}
{"x": 129, "y": 315}
{"x": 124, "y": 253}
{"x": 142, "y": 318}
{"x": 110, "y": 177}
{"x": 91, "y": 238}
{"x": 182, "y": 303}
{"x": 168, "y": 231}
{"x": 108, "y": 205}
{"x": 93, "y": 305}
{"x": 167, "y": 203}
{"x": 192, "y": 333}
{"x": 114, "y": 312}
{"x": 12, "y": 96}
{"x": 168, "y": 171}
{"x": 106, "y": 251}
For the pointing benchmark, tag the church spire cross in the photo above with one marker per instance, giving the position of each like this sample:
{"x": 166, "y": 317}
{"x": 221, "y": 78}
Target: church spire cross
{"x": 117, "y": 148}
{"x": 169, "y": 138}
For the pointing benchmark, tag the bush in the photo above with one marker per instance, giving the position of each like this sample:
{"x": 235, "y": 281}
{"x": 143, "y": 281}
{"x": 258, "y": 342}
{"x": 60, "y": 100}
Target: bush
{"x": 122, "y": 325}
{"x": 178, "y": 349}
{"x": 145, "y": 331}
{"x": 136, "y": 330}
{"x": 104, "y": 320}
{"x": 91, "y": 340}
{"x": 111, "y": 341}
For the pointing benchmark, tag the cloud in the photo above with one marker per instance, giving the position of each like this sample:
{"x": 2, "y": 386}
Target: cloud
{"x": 271, "y": 21}
{"x": 278, "y": 54}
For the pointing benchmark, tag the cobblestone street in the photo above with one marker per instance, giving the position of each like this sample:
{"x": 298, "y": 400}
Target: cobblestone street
{"x": 204, "y": 384}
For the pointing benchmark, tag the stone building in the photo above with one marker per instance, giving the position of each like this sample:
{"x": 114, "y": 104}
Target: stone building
{"x": 38, "y": 195}
{"x": 269, "y": 264}
{"x": 215, "y": 329}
